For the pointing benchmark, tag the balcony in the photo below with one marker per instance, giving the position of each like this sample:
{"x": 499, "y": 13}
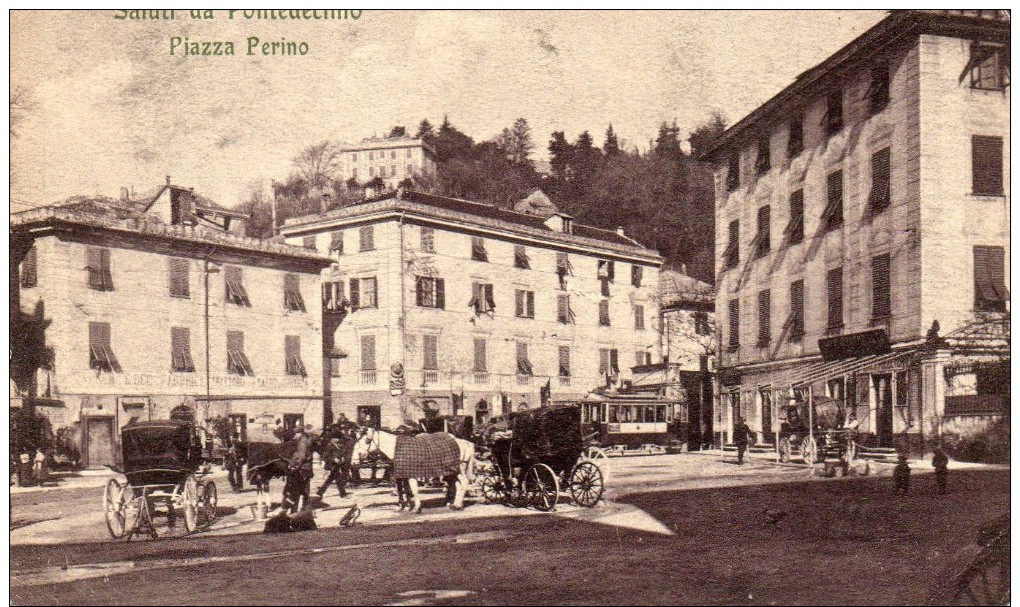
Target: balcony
{"x": 524, "y": 380}
{"x": 564, "y": 381}
{"x": 368, "y": 377}
{"x": 430, "y": 377}
{"x": 481, "y": 377}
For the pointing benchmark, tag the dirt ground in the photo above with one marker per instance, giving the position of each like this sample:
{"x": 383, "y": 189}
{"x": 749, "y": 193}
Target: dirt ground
{"x": 848, "y": 541}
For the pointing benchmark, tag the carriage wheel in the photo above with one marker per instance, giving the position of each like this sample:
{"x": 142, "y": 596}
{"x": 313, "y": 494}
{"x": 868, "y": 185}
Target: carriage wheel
{"x": 115, "y": 506}
{"x": 596, "y": 454}
{"x": 494, "y": 488}
{"x": 189, "y": 503}
{"x": 785, "y": 450}
{"x": 985, "y": 581}
{"x": 586, "y": 484}
{"x": 209, "y": 501}
{"x": 809, "y": 451}
{"x": 541, "y": 487}
{"x": 851, "y": 450}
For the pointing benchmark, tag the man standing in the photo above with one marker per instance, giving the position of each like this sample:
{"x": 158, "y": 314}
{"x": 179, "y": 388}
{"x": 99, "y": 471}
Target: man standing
{"x": 299, "y": 476}
{"x": 740, "y": 435}
{"x": 337, "y": 459}
{"x": 940, "y": 461}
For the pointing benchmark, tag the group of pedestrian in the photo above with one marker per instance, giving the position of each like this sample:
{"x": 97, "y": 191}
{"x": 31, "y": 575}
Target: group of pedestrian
{"x": 337, "y": 453}
{"x": 31, "y": 467}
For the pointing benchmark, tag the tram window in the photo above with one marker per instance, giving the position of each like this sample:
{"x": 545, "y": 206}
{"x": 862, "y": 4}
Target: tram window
{"x": 660, "y": 414}
{"x": 650, "y": 414}
{"x": 614, "y": 415}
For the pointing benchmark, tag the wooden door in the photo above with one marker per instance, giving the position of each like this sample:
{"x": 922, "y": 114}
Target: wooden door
{"x": 100, "y": 441}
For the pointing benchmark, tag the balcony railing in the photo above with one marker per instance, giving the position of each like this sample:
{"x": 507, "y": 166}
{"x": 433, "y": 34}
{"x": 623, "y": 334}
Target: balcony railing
{"x": 564, "y": 381}
{"x": 481, "y": 377}
{"x": 524, "y": 380}
{"x": 430, "y": 376}
{"x": 368, "y": 377}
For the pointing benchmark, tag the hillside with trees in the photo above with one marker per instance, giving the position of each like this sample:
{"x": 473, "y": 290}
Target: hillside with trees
{"x": 662, "y": 197}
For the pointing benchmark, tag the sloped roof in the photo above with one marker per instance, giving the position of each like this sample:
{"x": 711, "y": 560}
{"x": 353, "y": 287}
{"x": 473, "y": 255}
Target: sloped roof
{"x": 678, "y": 288}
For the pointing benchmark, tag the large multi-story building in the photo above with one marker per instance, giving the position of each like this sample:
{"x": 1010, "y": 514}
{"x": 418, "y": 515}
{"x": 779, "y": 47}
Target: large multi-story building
{"x": 466, "y": 308}
{"x": 392, "y": 159}
{"x": 862, "y": 234}
{"x": 124, "y": 310}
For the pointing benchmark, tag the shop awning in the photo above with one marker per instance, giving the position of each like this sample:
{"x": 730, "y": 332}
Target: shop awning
{"x": 837, "y": 368}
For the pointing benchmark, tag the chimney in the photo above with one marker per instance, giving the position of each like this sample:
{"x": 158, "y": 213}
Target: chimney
{"x": 619, "y": 230}
{"x": 324, "y": 204}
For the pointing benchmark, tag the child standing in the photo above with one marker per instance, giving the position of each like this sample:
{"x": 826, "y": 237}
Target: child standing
{"x": 940, "y": 461}
{"x": 901, "y": 476}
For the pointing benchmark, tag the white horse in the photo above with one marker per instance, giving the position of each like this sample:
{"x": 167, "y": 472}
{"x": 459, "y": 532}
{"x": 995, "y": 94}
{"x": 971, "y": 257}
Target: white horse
{"x": 386, "y": 443}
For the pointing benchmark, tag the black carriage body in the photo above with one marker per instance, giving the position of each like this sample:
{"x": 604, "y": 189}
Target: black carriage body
{"x": 461, "y": 426}
{"x": 550, "y": 435}
{"x": 160, "y": 452}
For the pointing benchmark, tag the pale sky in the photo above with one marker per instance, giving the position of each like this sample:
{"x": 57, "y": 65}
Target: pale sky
{"x": 110, "y": 106}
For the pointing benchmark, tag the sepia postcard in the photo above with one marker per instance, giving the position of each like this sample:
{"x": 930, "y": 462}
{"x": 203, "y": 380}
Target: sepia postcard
{"x": 515, "y": 307}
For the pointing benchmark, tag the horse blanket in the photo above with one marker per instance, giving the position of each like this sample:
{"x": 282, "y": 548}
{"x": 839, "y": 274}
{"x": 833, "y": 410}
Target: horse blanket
{"x": 426, "y": 456}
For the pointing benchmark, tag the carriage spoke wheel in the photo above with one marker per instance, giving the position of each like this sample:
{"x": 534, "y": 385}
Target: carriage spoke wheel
{"x": 586, "y": 484}
{"x": 494, "y": 488}
{"x": 209, "y": 501}
{"x": 809, "y": 451}
{"x": 541, "y": 487}
{"x": 189, "y": 504}
{"x": 115, "y": 506}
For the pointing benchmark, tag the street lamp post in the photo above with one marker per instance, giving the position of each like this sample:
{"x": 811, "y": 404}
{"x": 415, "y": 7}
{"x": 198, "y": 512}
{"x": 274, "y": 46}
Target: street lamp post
{"x": 208, "y": 269}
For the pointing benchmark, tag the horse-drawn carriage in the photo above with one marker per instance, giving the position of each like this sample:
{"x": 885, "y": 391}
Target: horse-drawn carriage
{"x": 833, "y": 435}
{"x": 165, "y": 474}
{"x": 536, "y": 452}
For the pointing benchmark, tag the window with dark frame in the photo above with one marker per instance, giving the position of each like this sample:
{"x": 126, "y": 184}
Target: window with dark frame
{"x": 878, "y": 89}
{"x": 834, "y": 290}
{"x": 609, "y": 362}
{"x": 237, "y": 360}
{"x": 563, "y": 269}
{"x": 734, "y": 321}
{"x": 368, "y": 352}
{"x": 428, "y": 240}
{"x": 30, "y": 269}
{"x": 430, "y": 352}
{"x": 988, "y": 67}
{"x": 564, "y": 361}
{"x": 366, "y": 238}
{"x": 763, "y": 161}
{"x": 733, "y": 172}
{"x": 990, "y": 294}
{"x": 430, "y": 292}
{"x": 523, "y": 363}
{"x": 524, "y": 304}
{"x": 521, "y": 258}
{"x": 607, "y": 270}
{"x": 881, "y": 293}
{"x": 639, "y": 317}
{"x": 180, "y": 350}
{"x": 833, "y": 119}
{"x": 481, "y": 356}
{"x": 731, "y": 255}
{"x": 701, "y": 324}
{"x": 482, "y": 298}
{"x": 763, "y": 240}
{"x": 796, "y": 310}
{"x": 636, "y": 275}
{"x": 478, "y": 252}
{"x": 564, "y": 314}
{"x": 832, "y": 217}
{"x": 97, "y": 262}
{"x": 879, "y": 197}
{"x": 795, "y": 229}
{"x": 986, "y": 165}
{"x": 101, "y": 356}
{"x": 604, "y": 313}
{"x": 292, "y": 350}
{"x": 233, "y": 279}
{"x": 292, "y": 299}
{"x": 336, "y": 242}
{"x": 764, "y": 317}
{"x": 642, "y": 358}
{"x": 364, "y": 293}
{"x": 795, "y": 143}
{"x": 178, "y": 271}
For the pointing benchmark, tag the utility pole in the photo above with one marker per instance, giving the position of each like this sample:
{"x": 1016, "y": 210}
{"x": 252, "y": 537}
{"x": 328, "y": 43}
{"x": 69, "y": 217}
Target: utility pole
{"x": 207, "y": 270}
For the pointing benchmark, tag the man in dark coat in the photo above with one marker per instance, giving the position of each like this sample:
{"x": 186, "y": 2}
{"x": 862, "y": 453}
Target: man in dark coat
{"x": 740, "y": 437}
{"x": 940, "y": 461}
{"x": 299, "y": 475}
{"x": 336, "y": 458}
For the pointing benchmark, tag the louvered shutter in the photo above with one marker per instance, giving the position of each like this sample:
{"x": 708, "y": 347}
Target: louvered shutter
{"x": 795, "y": 229}
{"x": 430, "y": 352}
{"x": 879, "y": 197}
{"x": 489, "y": 298}
{"x": 986, "y": 164}
{"x": 614, "y": 361}
{"x": 764, "y": 316}
{"x": 531, "y": 304}
{"x": 564, "y": 359}
{"x": 636, "y": 273}
{"x": 834, "y": 209}
{"x": 797, "y": 309}
{"x": 29, "y": 269}
{"x": 834, "y": 281}
{"x": 94, "y": 264}
{"x": 105, "y": 265}
{"x": 419, "y": 294}
{"x": 603, "y": 361}
{"x": 368, "y": 352}
{"x": 519, "y": 303}
{"x": 440, "y": 293}
{"x": 734, "y": 318}
{"x": 880, "y": 286}
{"x": 355, "y": 293}
{"x": 336, "y": 243}
{"x": 481, "y": 359}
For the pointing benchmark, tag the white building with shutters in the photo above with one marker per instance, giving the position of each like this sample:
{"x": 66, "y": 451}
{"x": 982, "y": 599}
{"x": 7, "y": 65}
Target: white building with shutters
{"x": 123, "y": 310}
{"x": 862, "y": 204}
{"x": 467, "y": 308}
{"x": 391, "y": 159}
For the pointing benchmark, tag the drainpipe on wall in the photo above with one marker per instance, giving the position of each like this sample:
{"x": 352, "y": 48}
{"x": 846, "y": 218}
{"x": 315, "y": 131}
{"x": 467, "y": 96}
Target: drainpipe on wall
{"x": 402, "y": 322}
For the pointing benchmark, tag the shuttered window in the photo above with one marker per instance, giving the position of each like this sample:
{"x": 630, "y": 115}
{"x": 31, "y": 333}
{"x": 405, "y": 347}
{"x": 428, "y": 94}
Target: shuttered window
{"x": 101, "y": 355}
{"x": 763, "y": 240}
{"x": 763, "y": 161}
{"x": 481, "y": 356}
{"x": 990, "y": 293}
{"x": 524, "y": 304}
{"x": 733, "y": 173}
{"x": 180, "y": 350}
{"x": 878, "y": 90}
{"x": 428, "y": 239}
{"x": 833, "y": 119}
{"x": 564, "y": 360}
{"x": 563, "y": 268}
{"x": 796, "y": 310}
{"x": 832, "y": 217}
{"x": 235, "y": 293}
{"x": 764, "y": 317}
{"x": 795, "y": 144}
{"x": 364, "y": 293}
{"x": 731, "y": 255}
{"x": 795, "y": 229}
{"x": 523, "y": 363}
{"x": 292, "y": 299}
{"x": 879, "y": 197}
{"x": 430, "y": 292}
{"x": 834, "y": 289}
{"x": 988, "y": 67}
{"x": 368, "y": 352}
{"x": 986, "y": 163}
{"x": 482, "y": 298}
{"x": 478, "y": 252}
{"x": 563, "y": 312}
{"x": 521, "y": 258}
{"x": 237, "y": 360}
{"x": 636, "y": 274}
{"x": 336, "y": 242}
{"x": 608, "y": 361}
{"x": 603, "y": 361}
{"x": 97, "y": 263}
{"x": 180, "y": 278}
{"x": 701, "y": 324}
{"x": 734, "y": 312}
{"x": 430, "y": 352}
{"x": 292, "y": 351}
{"x": 366, "y": 238}
{"x": 604, "y": 313}
{"x": 881, "y": 294}
{"x": 30, "y": 269}
{"x": 639, "y": 317}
